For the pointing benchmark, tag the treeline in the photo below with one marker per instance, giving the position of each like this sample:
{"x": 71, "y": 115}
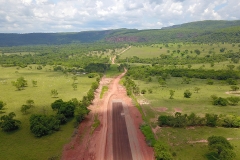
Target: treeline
{"x": 212, "y": 120}
{"x": 144, "y": 72}
{"x": 169, "y": 60}
{"x": 72, "y": 55}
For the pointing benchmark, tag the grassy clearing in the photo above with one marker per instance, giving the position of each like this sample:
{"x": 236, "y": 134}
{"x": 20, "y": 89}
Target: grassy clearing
{"x": 180, "y": 140}
{"x": 22, "y": 142}
{"x": 158, "y": 102}
{"x": 158, "y": 49}
{"x": 113, "y": 71}
{"x": 104, "y": 89}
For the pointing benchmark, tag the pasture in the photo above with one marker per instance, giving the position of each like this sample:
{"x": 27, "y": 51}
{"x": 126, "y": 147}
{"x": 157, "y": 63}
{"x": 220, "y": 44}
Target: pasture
{"x": 155, "y": 50}
{"x": 21, "y": 144}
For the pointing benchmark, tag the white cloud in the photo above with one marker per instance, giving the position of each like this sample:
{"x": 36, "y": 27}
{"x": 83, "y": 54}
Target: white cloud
{"x": 79, "y": 15}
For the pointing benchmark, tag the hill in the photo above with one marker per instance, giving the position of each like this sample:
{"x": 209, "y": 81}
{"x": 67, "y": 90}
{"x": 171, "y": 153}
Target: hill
{"x": 201, "y": 31}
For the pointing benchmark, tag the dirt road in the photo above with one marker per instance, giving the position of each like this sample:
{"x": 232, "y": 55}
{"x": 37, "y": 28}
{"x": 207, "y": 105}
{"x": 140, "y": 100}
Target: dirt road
{"x": 108, "y": 141}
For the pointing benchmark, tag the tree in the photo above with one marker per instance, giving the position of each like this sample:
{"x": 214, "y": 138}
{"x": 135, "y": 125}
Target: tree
{"x": 74, "y": 85}
{"x": 143, "y": 91}
{"x": 231, "y": 81}
{"x": 74, "y": 79}
{"x": 197, "y": 51}
{"x": 65, "y": 108}
{"x": 220, "y": 101}
{"x": 54, "y": 93}
{"x": 234, "y": 88}
{"x": 2, "y": 104}
{"x": 30, "y": 102}
{"x": 20, "y": 83}
{"x": 197, "y": 89}
{"x": 211, "y": 119}
{"x": 34, "y": 83}
{"x": 24, "y": 108}
{"x": 233, "y": 100}
{"x": 171, "y": 94}
{"x": 7, "y": 123}
{"x": 186, "y": 80}
{"x": 161, "y": 151}
{"x": 220, "y": 148}
{"x": 187, "y": 94}
{"x": 41, "y": 125}
{"x": 162, "y": 82}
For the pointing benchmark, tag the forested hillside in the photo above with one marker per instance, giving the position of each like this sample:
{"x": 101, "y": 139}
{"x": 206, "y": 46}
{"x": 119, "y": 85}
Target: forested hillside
{"x": 202, "y": 31}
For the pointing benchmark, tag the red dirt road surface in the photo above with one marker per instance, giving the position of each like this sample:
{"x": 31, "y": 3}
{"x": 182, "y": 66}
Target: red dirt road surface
{"x": 117, "y": 137}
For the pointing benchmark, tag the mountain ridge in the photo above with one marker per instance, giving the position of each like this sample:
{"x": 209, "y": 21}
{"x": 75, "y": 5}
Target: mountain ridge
{"x": 200, "y": 31}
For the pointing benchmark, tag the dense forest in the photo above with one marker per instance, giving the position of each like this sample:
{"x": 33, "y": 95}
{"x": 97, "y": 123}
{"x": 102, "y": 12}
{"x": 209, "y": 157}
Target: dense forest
{"x": 202, "y": 31}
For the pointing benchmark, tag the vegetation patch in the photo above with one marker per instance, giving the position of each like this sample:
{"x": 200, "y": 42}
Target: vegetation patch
{"x": 104, "y": 89}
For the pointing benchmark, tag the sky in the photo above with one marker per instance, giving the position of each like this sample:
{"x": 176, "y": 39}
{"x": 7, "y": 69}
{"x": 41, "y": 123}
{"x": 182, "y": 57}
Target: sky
{"x": 27, "y": 16}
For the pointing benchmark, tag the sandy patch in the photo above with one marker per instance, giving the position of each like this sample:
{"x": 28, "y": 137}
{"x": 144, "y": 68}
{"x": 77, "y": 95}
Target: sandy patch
{"x": 161, "y": 109}
{"x": 178, "y": 110}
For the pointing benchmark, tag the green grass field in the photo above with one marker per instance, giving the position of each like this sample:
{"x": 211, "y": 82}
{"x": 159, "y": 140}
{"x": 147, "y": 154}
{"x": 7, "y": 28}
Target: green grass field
{"x": 157, "y": 49}
{"x": 22, "y": 144}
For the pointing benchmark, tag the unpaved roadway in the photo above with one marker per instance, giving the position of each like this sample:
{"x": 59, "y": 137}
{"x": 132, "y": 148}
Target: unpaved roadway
{"x": 118, "y": 136}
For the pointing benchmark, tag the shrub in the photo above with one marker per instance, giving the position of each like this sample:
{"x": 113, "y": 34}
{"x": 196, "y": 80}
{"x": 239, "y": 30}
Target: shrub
{"x": 7, "y": 123}
{"x": 220, "y": 101}
{"x": 41, "y": 125}
{"x": 143, "y": 91}
{"x": 161, "y": 151}
{"x": 187, "y": 94}
{"x": 149, "y": 136}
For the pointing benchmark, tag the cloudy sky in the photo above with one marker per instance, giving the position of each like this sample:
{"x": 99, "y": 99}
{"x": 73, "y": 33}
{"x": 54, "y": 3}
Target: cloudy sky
{"x": 26, "y": 16}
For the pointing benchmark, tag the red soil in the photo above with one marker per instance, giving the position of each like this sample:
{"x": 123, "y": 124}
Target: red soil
{"x": 98, "y": 145}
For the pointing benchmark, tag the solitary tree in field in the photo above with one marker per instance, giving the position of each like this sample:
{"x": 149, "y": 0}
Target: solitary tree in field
{"x": 220, "y": 148}
{"x": 20, "y": 83}
{"x": 34, "y": 83}
{"x": 197, "y": 51}
{"x": 187, "y": 94}
{"x": 74, "y": 85}
{"x": 171, "y": 94}
{"x": 74, "y": 79}
{"x": 30, "y": 102}
{"x": 54, "y": 93}
{"x": 196, "y": 89}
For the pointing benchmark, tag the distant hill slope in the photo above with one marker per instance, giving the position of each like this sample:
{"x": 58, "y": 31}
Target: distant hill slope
{"x": 201, "y": 31}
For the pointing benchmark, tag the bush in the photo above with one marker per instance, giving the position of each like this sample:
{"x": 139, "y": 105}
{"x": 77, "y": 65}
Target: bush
{"x": 187, "y": 94}
{"x": 161, "y": 151}
{"x": 2, "y": 104}
{"x": 41, "y": 125}
{"x": 220, "y": 148}
{"x": 65, "y": 108}
{"x": 147, "y": 132}
{"x": 7, "y": 123}
{"x": 143, "y": 91}
{"x": 220, "y": 101}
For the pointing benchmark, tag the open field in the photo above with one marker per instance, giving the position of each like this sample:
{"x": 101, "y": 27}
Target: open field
{"x": 156, "y": 50}
{"x": 22, "y": 144}
{"x": 190, "y": 143}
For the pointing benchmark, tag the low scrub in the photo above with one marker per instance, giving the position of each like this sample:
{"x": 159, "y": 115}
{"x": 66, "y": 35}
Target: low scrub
{"x": 149, "y": 136}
